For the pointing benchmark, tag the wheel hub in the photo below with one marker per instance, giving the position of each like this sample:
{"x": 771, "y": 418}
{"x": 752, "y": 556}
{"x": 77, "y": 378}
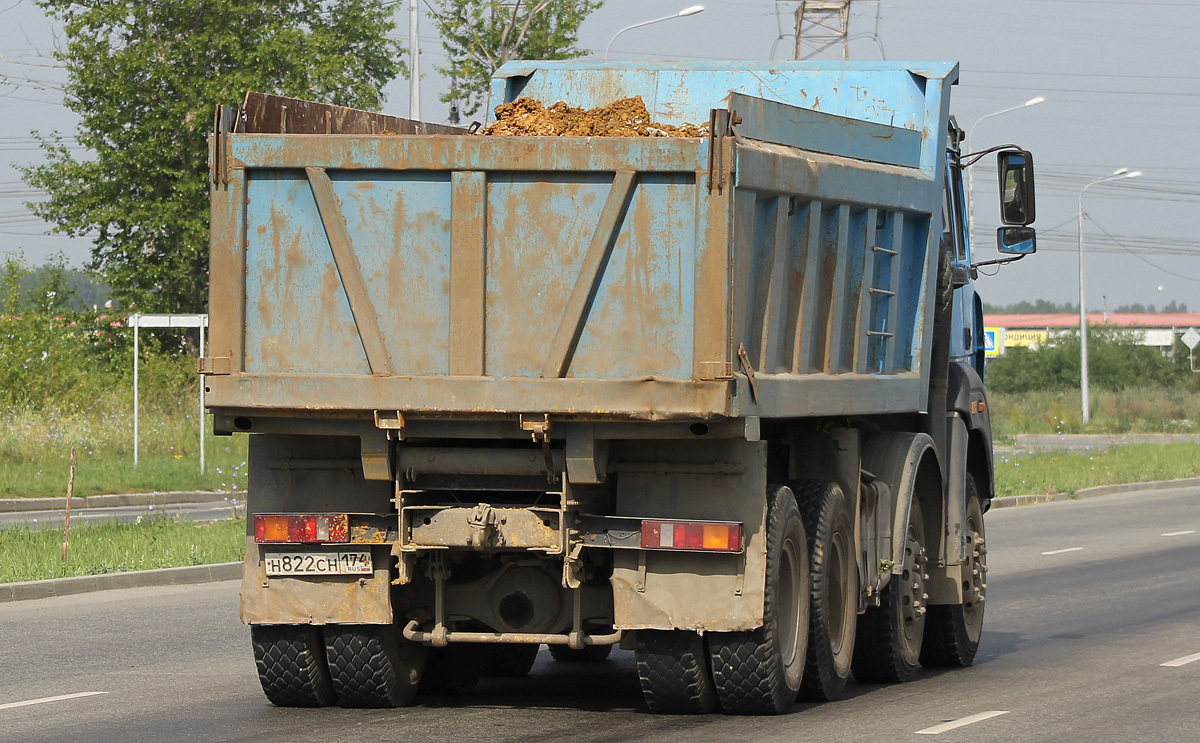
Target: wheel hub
{"x": 913, "y": 595}
{"x": 975, "y": 584}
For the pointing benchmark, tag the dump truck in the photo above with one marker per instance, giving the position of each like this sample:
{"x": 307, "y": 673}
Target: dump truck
{"x": 717, "y": 400}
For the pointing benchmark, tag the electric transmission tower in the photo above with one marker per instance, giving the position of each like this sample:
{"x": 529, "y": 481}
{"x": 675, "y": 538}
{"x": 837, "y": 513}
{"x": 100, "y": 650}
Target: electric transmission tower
{"x": 820, "y": 26}
{"x": 823, "y": 26}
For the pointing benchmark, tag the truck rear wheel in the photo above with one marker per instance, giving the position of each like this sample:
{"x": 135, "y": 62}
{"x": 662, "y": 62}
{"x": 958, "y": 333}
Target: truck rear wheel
{"x": 291, "y": 665}
{"x": 889, "y": 636}
{"x": 509, "y": 661}
{"x": 758, "y": 672}
{"x": 952, "y": 632}
{"x": 673, "y": 671}
{"x": 833, "y": 613}
{"x": 590, "y": 654}
{"x": 370, "y": 666}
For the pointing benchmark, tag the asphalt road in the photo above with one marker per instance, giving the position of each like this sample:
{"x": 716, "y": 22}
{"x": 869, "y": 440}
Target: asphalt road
{"x": 1087, "y": 601}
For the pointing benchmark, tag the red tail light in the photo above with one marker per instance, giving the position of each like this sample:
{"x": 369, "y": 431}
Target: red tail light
{"x": 302, "y": 528}
{"x": 694, "y": 536}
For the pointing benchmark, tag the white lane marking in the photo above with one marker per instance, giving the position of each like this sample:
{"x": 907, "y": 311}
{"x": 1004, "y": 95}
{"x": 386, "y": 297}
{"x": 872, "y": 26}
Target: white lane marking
{"x": 1178, "y": 533}
{"x": 45, "y": 700}
{"x": 1059, "y": 552}
{"x": 1182, "y": 661}
{"x": 961, "y": 722}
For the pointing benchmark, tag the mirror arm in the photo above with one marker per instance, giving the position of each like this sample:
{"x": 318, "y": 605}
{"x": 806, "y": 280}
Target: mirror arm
{"x": 999, "y": 261}
{"x": 971, "y": 158}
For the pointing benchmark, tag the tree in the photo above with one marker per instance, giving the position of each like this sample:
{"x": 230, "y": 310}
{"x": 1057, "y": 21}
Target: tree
{"x": 1025, "y": 307}
{"x": 481, "y": 35}
{"x": 144, "y": 76}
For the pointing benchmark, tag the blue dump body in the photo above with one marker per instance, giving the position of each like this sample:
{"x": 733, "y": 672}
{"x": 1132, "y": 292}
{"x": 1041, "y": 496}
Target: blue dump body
{"x": 781, "y": 267}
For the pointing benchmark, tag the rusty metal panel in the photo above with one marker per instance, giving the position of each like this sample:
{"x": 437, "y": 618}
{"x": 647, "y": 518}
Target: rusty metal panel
{"x": 591, "y": 272}
{"x": 272, "y": 114}
{"x": 538, "y": 529}
{"x": 640, "y": 318}
{"x": 326, "y": 599}
{"x": 851, "y": 294}
{"x": 227, "y": 272}
{"x": 804, "y": 395}
{"x": 349, "y": 270}
{"x": 860, "y": 338}
{"x": 711, "y": 338}
{"x": 662, "y": 594}
{"x": 299, "y": 318}
{"x": 818, "y": 131}
{"x": 468, "y": 273}
{"x": 646, "y": 398}
{"x": 450, "y": 153}
{"x": 889, "y": 319}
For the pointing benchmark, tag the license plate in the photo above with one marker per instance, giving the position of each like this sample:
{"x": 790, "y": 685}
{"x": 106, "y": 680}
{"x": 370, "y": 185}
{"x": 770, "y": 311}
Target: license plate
{"x": 341, "y": 562}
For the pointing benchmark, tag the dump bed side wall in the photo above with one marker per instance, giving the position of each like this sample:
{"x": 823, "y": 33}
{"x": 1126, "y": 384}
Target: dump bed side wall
{"x": 837, "y": 171}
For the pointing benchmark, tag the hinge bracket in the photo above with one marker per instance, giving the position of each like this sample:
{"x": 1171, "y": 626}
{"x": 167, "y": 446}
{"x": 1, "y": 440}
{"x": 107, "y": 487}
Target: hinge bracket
{"x": 215, "y": 366}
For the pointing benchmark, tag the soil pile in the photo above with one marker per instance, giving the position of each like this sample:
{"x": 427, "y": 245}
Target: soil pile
{"x": 627, "y": 117}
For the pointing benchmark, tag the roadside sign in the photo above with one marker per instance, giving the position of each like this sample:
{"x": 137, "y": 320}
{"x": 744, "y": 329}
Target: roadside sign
{"x": 1190, "y": 338}
{"x": 990, "y": 348}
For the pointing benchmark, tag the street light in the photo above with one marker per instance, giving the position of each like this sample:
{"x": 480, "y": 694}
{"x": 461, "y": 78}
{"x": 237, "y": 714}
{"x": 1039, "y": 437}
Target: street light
{"x": 971, "y": 171}
{"x": 414, "y": 64}
{"x": 1083, "y": 326}
{"x": 690, "y": 10}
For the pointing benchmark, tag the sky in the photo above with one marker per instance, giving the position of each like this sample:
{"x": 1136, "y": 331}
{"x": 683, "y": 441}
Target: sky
{"x": 1121, "y": 81}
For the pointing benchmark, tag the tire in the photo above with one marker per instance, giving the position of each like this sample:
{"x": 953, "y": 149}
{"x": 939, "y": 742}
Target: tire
{"x": 952, "y": 633}
{"x": 590, "y": 654}
{"x": 673, "y": 672}
{"x": 454, "y": 669}
{"x": 509, "y": 661}
{"x": 889, "y": 636}
{"x": 291, "y": 665}
{"x": 833, "y": 608}
{"x": 370, "y": 666}
{"x": 758, "y": 672}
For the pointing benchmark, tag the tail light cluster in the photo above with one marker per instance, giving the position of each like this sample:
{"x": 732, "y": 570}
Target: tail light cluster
{"x": 302, "y": 528}
{"x": 692, "y": 536}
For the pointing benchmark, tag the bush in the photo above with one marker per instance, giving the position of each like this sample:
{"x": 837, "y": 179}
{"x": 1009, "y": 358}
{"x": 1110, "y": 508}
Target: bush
{"x": 1115, "y": 362}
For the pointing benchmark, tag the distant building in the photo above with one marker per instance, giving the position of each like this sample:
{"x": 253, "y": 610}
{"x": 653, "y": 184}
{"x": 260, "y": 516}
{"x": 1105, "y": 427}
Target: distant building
{"x": 1002, "y": 332}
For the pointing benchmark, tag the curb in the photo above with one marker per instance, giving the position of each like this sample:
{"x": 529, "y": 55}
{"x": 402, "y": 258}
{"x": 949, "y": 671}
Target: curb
{"x": 41, "y": 589}
{"x": 1026, "y": 500}
{"x": 14, "y": 505}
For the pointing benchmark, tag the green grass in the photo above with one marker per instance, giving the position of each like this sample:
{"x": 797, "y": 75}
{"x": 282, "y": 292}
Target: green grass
{"x": 1066, "y": 472}
{"x": 1153, "y": 410}
{"x": 116, "y": 547}
{"x": 35, "y": 451}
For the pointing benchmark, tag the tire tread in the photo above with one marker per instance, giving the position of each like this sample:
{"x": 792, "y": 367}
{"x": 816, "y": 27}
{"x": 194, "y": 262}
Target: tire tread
{"x": 673, "y": 672}
{"x": 291, "y": 665}
{"x": 365, "y": 666}
{"x": 821, "y": 505}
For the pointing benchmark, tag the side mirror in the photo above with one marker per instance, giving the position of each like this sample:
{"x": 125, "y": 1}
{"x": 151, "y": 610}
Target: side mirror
{"x": 1016, "y": 240}
{"x": 1016, "y": 187}
{"x": 959, "y": 277}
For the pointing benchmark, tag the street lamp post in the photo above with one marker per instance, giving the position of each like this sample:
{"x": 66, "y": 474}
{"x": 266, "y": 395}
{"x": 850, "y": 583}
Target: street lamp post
{"x": 414, "y": 64}
{"x": 1083, "y": 326}
{"x": 971, "y": 171}
{"x": 690, "y": 10}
